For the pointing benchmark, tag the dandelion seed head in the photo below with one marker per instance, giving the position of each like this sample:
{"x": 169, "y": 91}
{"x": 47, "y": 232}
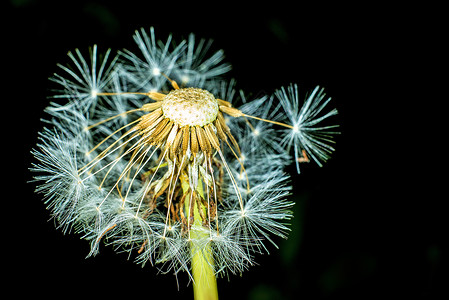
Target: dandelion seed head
{"x": 166, "y": 172}
{"x": 190, "y": 107}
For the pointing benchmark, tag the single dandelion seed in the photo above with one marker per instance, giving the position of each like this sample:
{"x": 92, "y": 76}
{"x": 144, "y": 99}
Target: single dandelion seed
{"x": 84, "y": 80}
{"x": 151, "y": 165}
{"x": 307, "y": 139}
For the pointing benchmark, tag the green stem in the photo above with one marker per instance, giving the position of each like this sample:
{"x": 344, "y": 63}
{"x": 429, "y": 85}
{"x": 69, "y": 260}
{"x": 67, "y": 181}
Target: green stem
{"x": 205, "y": 282}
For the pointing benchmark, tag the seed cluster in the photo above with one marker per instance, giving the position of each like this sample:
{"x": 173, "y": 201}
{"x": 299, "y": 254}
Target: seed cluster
{"x": 190, "y": 106}
{"x": 186, "y": 120}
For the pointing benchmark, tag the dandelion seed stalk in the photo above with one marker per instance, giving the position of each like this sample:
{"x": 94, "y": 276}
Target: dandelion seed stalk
{"x": 205, "y": 282}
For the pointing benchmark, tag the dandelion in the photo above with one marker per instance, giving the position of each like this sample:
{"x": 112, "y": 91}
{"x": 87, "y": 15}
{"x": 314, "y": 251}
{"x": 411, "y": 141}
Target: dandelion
{"x": 170, "y": 170}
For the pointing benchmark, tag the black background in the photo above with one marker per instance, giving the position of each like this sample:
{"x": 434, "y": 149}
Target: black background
{"x": 363, "y": 227}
